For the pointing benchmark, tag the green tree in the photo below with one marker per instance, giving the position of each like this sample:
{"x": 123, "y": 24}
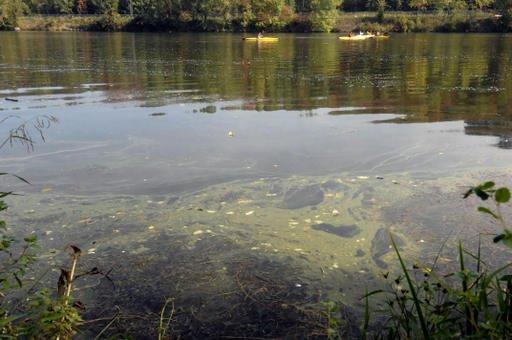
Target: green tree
{"x": 449, "y": 5}
{"x": 10, "y": 11}
{"x": 242, "y": 12}
{"x": 104, "y": 6}
{"x": 480, "y": 4}
{"x": 211, "y": 8}
{"x": 266, "y": 13}
{"x": 419, "y": 5}
{"x": 324, "y": 14}
{"x": 379, "y": 6}
{"x": 61, "y": 6}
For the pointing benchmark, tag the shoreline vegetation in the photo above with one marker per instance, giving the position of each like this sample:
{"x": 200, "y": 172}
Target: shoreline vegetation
{"x": 400, "y": 22}
{"x": 257, "y": 15}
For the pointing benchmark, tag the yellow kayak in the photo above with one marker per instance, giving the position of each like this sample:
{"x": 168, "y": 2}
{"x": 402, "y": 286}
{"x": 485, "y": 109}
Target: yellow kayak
{"x": 382, "y": 36}
{"x": 264, "y": 39}
{"x": 358, "y": 37}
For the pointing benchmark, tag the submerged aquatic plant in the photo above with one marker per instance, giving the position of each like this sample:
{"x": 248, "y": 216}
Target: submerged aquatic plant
{"x": 472, "y": 301}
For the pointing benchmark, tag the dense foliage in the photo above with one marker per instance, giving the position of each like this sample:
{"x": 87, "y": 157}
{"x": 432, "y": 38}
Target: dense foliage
{"x": 239, "y": 15}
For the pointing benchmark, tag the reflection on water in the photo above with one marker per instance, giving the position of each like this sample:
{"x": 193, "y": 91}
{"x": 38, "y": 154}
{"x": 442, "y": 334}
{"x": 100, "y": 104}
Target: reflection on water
{"x": 202, "y": 167}
{"x": 434, "y": 77}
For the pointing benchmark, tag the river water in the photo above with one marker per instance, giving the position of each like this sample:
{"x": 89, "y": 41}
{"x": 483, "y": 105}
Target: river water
{"x": 244, "y": 178}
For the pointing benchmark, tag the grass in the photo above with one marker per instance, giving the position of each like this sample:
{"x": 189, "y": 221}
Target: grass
{"x": 471, "y": 301}
{"x": 455, "y": 21}
{"x": 57, "y": 23}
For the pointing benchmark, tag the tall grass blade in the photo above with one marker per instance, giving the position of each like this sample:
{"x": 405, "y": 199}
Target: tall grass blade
{"x": 467, "y": 303}
{"x": 417, "y": 304}
{"x": 364, "y": 330}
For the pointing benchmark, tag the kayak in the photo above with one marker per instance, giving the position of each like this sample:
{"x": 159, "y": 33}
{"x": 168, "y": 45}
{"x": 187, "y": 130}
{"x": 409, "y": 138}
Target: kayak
{"x": 381, "y": 36}
{"x": 358, "y": 37}
{"x": 264, "y": 39}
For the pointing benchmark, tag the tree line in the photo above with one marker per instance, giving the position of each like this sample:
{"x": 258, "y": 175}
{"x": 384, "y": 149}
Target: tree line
{"x": 199, "y": 9}
{"x": 241, "y": 15}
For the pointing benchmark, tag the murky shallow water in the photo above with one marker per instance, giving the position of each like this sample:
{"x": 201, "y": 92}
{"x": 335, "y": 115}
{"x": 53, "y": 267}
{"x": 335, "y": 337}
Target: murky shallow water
{"x": 265, "y": 253}
{"x": 331, "y": 144}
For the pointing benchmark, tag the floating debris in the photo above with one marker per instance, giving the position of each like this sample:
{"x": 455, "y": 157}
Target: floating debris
{"x": 157, "y": 114}
{"x": 198, "y": 232}
{"x": 249, "y": 213}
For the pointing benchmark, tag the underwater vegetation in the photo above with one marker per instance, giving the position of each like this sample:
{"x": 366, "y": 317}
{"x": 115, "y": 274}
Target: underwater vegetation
{"x": 473, "y": 301}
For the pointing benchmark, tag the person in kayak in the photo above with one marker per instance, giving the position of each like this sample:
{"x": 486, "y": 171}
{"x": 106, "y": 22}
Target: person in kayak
{"x": 350, "y": 34}
{"x": 260, "y": 35}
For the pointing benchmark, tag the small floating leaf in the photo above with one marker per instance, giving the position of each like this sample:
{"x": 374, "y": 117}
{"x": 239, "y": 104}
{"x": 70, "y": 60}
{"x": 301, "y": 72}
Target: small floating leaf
{"x": 502, "y": 195}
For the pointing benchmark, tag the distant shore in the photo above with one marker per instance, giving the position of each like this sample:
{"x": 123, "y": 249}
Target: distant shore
{"x": 456, "y": 21}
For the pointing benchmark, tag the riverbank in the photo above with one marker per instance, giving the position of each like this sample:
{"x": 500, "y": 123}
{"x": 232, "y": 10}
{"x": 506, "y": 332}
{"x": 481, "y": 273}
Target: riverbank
{"x": 455, "y": 21}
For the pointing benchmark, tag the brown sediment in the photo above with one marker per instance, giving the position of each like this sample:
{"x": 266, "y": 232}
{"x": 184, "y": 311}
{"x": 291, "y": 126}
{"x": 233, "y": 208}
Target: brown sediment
{"x": 235, "y": 263}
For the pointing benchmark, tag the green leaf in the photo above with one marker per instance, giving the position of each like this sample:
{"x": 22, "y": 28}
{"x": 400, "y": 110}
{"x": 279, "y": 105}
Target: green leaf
{"x": 502, "y": 195}
{"x": 31, "y": 239}
{"x": 487, "y": 185}
{"x": 487, "y": 211}
{"x": 507, "y": 240}
{"x": 482, "y": 194}
{"x": 506, "y": 278}
{"x": 378, "y": 291}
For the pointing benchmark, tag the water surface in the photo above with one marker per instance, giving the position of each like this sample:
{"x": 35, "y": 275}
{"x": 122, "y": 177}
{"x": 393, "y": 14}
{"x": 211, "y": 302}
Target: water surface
{"x": 182, "y": 160}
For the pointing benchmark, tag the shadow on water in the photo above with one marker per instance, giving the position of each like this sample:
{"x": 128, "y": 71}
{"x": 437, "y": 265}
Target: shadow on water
{"x": 218, "y": 290}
